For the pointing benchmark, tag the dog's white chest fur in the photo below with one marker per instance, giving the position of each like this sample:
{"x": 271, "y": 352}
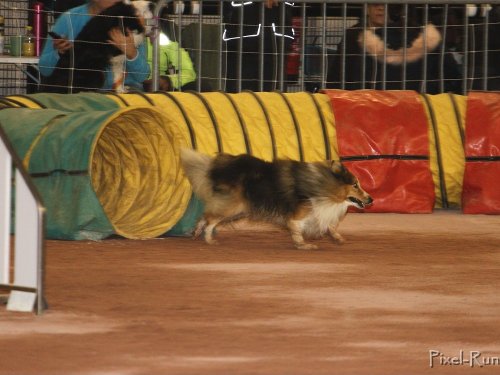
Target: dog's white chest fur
{"x": 324, "y": 215}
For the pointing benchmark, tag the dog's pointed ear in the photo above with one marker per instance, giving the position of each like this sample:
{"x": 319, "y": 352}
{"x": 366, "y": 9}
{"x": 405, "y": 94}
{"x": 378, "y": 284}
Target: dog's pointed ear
{"x": 337, "y": 167}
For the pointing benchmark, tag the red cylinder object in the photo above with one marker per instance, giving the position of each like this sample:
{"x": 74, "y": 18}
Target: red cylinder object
{"x": 293, "y": 57}
{"x": 39, "y": 27}
{"x": 481, "y": 194}
{"x": 383, "y": 138}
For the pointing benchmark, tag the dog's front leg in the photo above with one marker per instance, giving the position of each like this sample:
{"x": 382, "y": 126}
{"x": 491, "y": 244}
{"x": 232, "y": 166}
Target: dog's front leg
{"x": 202, "y": 223}
{"x": 336, "y": 236}
{"x": 295, "y": 228}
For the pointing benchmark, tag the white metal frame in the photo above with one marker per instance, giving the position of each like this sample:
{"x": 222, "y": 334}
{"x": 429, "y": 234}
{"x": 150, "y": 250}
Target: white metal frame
{"x": 25, "y": 279}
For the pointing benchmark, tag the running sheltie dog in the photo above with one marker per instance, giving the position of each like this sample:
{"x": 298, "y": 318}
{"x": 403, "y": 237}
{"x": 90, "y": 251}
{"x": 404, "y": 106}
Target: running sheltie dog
{"x": 310, "y": 199}
{"x": 82, "y": 67}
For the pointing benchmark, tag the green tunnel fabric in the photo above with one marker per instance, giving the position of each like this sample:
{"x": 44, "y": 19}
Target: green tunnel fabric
{"x": 73, "y": 212}
{"x": 102, "y": 172}
{"x": 81, "y": 102}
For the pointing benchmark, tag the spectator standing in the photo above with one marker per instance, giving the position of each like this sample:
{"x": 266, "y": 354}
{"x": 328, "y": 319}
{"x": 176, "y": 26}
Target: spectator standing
{"x": 61, "y": 6}
{"x": 483, "y": 60}
{"x": 268, "y": 25}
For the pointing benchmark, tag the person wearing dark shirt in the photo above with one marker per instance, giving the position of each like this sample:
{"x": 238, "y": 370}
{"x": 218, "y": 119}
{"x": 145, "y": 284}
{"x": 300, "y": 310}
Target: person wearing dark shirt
{"x": 376, "y": 57}
{"x": 274, "y": 32}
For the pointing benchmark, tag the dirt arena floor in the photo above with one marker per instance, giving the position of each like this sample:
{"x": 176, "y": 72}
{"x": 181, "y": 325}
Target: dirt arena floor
{"x": 402, "y": 286}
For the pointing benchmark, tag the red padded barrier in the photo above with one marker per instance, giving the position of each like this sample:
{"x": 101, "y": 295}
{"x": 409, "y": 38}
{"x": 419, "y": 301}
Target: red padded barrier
{"x": 383, "y": 139}
{"x": 481, "y": 187}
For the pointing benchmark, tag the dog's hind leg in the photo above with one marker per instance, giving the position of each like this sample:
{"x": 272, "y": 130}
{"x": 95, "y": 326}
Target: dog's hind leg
{"x": 212, "y": 222}
{"x": 295, "y": 228}
{"x": 200, "y": 226}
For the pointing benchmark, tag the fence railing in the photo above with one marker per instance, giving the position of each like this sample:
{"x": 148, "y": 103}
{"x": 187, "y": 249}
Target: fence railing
{"x": 238, "y": 45}
{"x": 464, "y": 54}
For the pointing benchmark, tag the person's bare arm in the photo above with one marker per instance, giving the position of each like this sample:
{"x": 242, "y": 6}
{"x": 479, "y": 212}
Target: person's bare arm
{"x": 271, "y": 3}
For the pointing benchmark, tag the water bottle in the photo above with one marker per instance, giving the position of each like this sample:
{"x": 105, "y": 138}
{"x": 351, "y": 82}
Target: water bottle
{"x": 29, "y": 43}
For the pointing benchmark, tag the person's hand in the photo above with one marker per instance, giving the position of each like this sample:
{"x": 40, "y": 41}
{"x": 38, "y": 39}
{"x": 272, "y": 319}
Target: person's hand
{"x": 61, "y": 45}
{"x": 163, "y": 84}
{"x": 271, "y": 3}
{"x": 124, "y": 43}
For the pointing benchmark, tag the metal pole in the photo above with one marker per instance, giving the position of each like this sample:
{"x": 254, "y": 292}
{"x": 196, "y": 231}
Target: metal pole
{"x": 155, "y": 41}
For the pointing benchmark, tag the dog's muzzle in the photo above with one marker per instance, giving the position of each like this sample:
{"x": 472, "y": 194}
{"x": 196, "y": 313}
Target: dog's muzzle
{"x": 359, "y": 203}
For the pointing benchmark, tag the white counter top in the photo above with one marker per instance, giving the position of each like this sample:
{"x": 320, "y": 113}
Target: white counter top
{"x": 6, "y": 59}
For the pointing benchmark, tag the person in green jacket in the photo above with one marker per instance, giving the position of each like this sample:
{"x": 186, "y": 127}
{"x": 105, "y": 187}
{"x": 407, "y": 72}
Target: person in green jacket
{"x": 175, "y": 66}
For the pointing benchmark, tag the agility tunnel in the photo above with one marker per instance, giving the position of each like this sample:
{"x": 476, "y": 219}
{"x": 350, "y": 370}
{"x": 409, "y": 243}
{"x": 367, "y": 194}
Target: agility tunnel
{"x": 99, "y": 172}
{"x": 109, "y": 164}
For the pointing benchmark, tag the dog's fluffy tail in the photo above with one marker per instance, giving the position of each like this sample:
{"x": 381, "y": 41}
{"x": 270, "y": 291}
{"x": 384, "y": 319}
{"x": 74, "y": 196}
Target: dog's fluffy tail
{"x": 196, "y": 166}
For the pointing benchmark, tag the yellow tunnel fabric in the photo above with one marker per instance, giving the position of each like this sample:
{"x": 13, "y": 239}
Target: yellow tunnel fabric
{"x": 22, "y": 101}
{"x": 297, "y": 126}
{"x": 261, "y": 137}
{"x": 327, "y": 120}
{"x": 279, "y": 119}
{"x": 446, "y": 119}
{"x": 230, "y": 127}
{"x": 136, "y": 175}
{"x": 267, "y": 125}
